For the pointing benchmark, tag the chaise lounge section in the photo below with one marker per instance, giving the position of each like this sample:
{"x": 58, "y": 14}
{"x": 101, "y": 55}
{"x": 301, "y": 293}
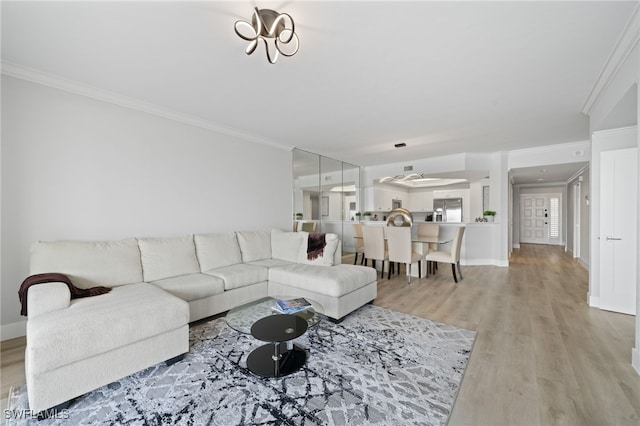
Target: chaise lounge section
{"x": 159, "y": 286}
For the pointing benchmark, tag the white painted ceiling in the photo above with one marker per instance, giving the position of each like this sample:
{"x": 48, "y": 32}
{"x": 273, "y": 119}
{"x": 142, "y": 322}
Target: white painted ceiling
{"x": 443, "y": 77}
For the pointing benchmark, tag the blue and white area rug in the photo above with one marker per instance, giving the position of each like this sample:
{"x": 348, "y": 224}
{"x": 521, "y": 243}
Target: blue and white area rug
{"x": 376, "y": 367}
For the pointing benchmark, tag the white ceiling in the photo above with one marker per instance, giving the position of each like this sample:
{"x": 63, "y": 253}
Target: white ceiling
{"x": 443, "y": 77}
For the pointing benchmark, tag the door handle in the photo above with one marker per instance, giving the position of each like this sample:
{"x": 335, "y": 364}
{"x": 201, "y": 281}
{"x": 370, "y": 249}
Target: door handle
{"x": 613, "y": 239}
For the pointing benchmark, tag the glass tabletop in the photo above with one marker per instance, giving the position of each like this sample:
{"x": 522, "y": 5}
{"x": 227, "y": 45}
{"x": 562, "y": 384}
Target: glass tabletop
{"x": 242, "y": 318}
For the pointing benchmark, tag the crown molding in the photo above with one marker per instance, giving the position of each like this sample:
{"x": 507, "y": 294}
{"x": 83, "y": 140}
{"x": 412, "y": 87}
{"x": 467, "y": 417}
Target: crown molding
{"x": 550, "y": 148}
{"x": 56, "y": 82}
{"x": 619, "y": 130}
{"x": 623, "y": 48}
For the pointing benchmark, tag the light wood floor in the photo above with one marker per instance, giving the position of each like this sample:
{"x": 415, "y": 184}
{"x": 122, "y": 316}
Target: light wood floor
{"x": 541, "y": 357}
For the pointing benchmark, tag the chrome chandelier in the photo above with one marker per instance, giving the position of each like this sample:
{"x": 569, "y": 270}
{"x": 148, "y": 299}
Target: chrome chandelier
{"x": 267, "y": 25}
{"x": 402, "y": 178}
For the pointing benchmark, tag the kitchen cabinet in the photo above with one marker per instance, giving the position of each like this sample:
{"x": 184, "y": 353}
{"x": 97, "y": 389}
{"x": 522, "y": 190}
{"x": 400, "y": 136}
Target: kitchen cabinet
{"x": 448, "y": 193}
{"x": 421, "y": 201}
{"x": 379, "y": 199}
{"x": 382, "y": 200}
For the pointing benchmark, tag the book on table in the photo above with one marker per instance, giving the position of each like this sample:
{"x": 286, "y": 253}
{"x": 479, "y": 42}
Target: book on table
{"x": 291, "y": 306}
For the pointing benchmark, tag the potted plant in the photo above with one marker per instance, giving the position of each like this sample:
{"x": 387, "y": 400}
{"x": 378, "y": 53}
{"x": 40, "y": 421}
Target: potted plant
{"x": 489, "y": 215}
{"x": 367, "y": 215}
{"x": 299, "y": 216}
{"x": 357, "y": 215}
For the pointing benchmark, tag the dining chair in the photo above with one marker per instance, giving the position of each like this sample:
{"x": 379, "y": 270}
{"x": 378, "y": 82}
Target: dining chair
{"x": 374, "y": 246}
{"x": 401, "y": 249}
{"x": 430, "y": 231}
{"x": 309, "y": 226}
{"x": 452, "y": 257}
{"x": 357, "y": 233}
{"x": 295, "y": 226}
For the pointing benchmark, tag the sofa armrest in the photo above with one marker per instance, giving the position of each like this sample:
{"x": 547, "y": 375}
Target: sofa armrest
{"x": 47, "y": 297}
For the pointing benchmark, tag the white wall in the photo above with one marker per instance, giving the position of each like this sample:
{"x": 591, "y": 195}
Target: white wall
{"x": 77, "y": 168}
{"x": 585, "y": 201}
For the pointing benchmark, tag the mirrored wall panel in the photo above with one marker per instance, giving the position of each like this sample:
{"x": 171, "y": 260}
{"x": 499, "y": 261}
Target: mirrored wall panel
{"x": 326, "y": 195}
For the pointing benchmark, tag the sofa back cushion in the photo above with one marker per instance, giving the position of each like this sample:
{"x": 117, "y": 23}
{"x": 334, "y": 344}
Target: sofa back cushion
{"x": 328, "y": 256}
{"x": 168, "y": 257}
{"x": 217, "y": 250}
{"x": 254, "y": 245}
{"x": 89, "y": 263}
{"x": 286, "y": 245}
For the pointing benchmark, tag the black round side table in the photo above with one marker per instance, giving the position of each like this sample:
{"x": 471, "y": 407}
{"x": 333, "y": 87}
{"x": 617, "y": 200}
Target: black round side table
{"x": 275, "y": 359}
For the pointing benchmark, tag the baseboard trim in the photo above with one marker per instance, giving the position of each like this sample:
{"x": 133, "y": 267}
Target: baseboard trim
{"x": 594, "y": 301}
{"x": 13, "y": 330}
{"x": 635, "y": 360}
{"x": 516, "y": 245}
{"x": 584, "y": 264}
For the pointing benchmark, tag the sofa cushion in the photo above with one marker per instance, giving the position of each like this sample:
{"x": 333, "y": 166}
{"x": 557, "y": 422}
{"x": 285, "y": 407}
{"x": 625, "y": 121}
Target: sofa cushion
{"x": 242, "y": 275}
{"x": 286, "y": 245}
{"x": 192, "y": 287}
{"x": 89, "y": 263}
{"x": 254, "y": 245}
{"x": 217, "y": 250}
{"x": 95, "y": 325}
{"x": 168, "y": 257}
{"x": 327, "y": 257}
{"x": 335, "y": 281}
{"x": 270, "y": 263}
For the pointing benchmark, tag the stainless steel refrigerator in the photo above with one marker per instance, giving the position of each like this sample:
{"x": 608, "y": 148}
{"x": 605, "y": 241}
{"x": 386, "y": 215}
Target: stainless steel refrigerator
{"x": 447, "y": 209}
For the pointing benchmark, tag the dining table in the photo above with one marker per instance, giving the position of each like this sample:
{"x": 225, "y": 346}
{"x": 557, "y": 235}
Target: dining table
{"x": 419, "y": 245}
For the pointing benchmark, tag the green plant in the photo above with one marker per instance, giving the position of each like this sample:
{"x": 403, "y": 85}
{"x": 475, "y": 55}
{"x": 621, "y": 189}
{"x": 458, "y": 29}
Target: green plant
{"x": 298, "y": 215}
{"x": 489, "y": 213}
{"x": 358, "y": 214}
{"x": 368, "y": 213}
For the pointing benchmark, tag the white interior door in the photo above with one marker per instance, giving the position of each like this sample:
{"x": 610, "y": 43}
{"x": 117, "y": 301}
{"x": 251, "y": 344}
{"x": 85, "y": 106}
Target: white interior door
{"x": 533, "y": 228}
{"x": 540, "y": 218}
{"x": 618, "y": 230}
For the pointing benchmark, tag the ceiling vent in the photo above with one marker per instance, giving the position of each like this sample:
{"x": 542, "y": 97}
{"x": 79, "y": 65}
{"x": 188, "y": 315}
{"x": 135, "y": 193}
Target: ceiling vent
{"x": 408, "y": 168}
{"x": 400, "y": 145}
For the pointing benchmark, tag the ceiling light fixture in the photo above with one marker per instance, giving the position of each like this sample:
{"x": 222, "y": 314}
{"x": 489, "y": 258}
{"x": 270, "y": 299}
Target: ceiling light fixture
{"x": 269, "y": 24}
{"x": 401, "y": 178}
{"x": 415, "y": 180}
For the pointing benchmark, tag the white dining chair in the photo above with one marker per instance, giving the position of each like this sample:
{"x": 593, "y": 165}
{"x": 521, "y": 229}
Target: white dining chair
{"x": 374, "y": 246}
{"x": 401, "y": 249}
{"x": 357, "y": 233}
{"x": 430, "y": 231}
{"x": 309, "y": 226}
{"x": 452, "y": 257}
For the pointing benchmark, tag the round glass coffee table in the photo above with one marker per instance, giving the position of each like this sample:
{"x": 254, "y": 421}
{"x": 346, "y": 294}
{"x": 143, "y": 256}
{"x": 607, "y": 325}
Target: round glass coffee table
{"x": 280, "y": 356}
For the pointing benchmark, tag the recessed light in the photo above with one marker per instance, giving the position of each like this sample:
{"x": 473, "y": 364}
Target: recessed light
{"x": 540, "y": 179}
{"x": 400, "y": 145}
{"x": 543, "y": 171}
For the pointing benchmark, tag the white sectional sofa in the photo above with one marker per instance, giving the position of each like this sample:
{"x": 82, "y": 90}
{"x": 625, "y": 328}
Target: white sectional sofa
{"x": 159, "y": 286}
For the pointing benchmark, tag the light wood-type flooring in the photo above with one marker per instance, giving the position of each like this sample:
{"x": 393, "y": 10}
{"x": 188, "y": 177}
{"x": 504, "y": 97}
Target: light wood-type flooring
{"x": 541, "y": 357}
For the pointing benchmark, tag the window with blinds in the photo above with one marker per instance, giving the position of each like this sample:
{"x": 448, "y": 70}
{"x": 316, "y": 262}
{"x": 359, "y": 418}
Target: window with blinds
{"x": 554, "y": 218}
